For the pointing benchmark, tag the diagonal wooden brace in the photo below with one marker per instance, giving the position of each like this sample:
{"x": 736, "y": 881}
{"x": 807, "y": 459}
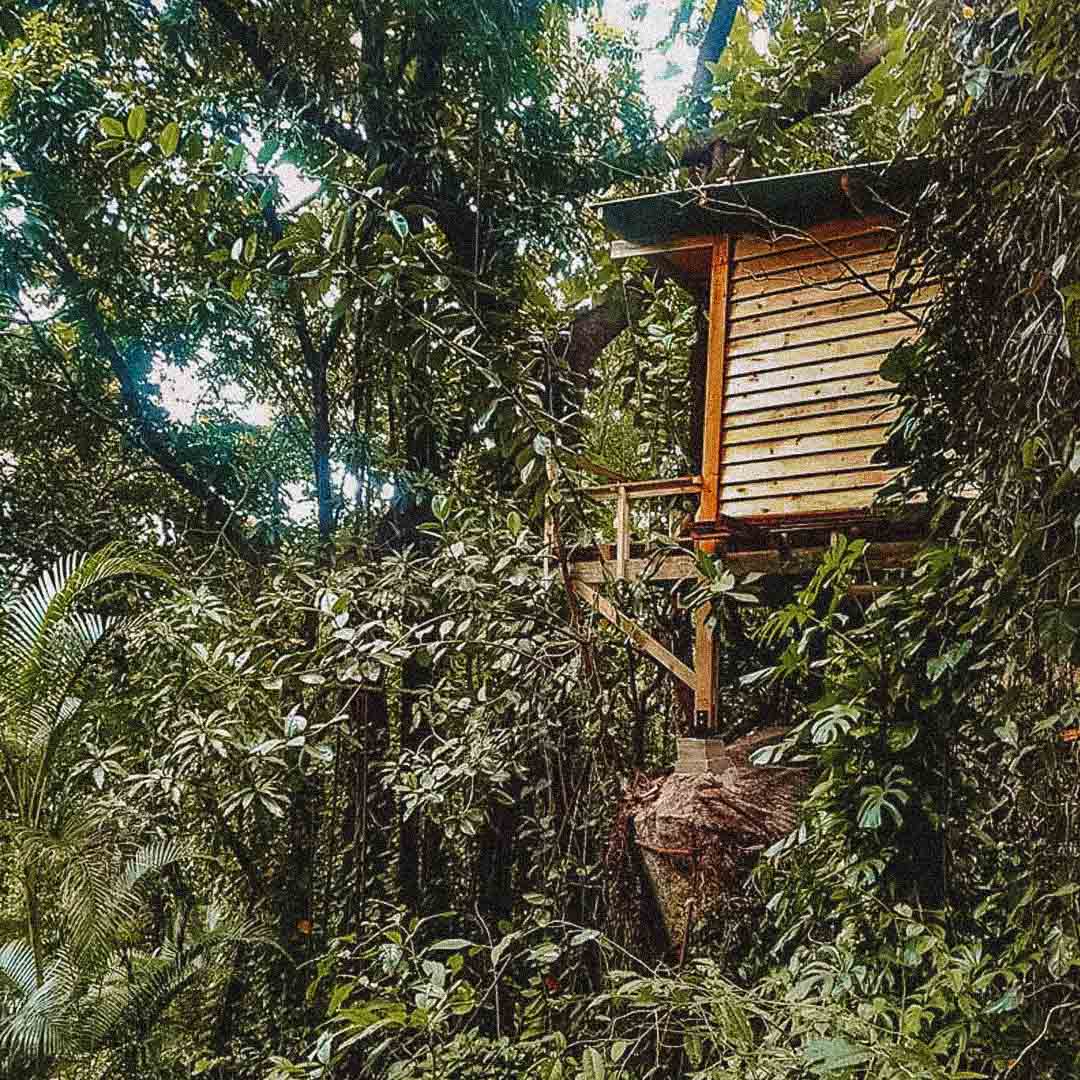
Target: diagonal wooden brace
{"x": 640, "y": 637}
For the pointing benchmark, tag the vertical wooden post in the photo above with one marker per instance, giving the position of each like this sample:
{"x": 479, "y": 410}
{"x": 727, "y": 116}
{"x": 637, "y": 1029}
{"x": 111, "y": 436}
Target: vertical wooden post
{"x": 709, "y": 506}
{"x": 704, "y": 673}
{"x": 622, "y": 532}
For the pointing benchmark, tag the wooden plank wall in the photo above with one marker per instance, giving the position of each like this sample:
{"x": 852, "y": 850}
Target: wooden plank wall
{"x": 805, "y": 326}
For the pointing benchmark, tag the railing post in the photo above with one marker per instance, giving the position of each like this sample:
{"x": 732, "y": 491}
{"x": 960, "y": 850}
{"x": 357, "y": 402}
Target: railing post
{"x": 622, "y": 532}
{"x": 549, "y": 521}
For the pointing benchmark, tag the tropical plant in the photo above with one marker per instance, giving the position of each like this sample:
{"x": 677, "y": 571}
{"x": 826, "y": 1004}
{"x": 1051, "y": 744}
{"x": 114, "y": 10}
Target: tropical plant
{"x": 64, "y": 985}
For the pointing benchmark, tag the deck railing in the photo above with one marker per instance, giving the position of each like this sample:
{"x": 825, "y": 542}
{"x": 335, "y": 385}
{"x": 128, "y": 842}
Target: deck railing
{"x": 622, "y": 494}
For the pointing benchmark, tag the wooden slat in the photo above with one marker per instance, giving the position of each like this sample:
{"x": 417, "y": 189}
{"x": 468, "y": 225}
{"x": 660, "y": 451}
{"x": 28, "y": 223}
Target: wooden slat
{"x": 826, "y": 273}
{"x": 838, "y": 252}
{"x": 752, "y": 420}
{"x": 832, "y": 309}
{"x": 795, "y": 503}
{"x": 804, "y": 559}
{"x": 799, "y": 485}
{"x": 805, "y": 395}
{"x": 803, "y": 374}
{"x": 640, "y": 637}
{"x": 646, "y": 489}
{"x": 810, "y": 418}
{"x": 796, "y": 560}
{"x": 819, "y": 441}
{"x": 838, "y": 330}
{"x": 829, "y": 462}
{"x": 863, "y": 345}
{"x": 622, "y": 532}
{"x": 748, "y": 247}
{"x": 704, "y": 668}
{"x": 714, "y": 379}
{"x": 794, "y": 299}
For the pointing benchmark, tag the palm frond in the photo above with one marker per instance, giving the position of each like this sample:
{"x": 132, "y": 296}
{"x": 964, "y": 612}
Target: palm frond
{"x": 17, "y": 966}
{"x": 31, "y": 618}
{"x": 41, "y": 1023}
{"x": 108, "y": 901}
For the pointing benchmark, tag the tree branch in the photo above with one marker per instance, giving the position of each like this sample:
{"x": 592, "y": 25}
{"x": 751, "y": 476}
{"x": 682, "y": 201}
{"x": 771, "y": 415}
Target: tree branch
{"x": 708, "y": 149}
{"x": 292, "y": 91}
{"x": 712, "y": 46}
{"x": 593, "y": 330}
{"x": 149, "y": 419}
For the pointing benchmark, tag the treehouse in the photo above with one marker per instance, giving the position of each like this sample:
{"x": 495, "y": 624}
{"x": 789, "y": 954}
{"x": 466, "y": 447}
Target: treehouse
{"x": 803, "y": 306}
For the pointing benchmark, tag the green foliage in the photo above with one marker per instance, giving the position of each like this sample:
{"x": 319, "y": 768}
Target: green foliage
{"x": 74, "y": 984}
{"x": 397, "y": 739}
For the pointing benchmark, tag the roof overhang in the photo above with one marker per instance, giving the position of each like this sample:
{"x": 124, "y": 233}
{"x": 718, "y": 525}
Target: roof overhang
{"x": 763, "y": 205}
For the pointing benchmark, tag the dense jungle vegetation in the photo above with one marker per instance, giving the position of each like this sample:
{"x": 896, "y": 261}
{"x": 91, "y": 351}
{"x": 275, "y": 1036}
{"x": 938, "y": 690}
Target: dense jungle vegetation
{"x": 307, "y": 765}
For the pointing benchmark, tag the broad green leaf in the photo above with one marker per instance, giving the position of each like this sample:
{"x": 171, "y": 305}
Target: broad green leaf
{"x": 450, "y": 945}
{"x": 1008, "y": 1002}
{"x": 111, "y": 128}
{"x": 376, "y": 175}
{"x": 251, "y": 245}
{"x": 237, "y": 252}
{"x": 831, "y": 1055}
{"x": 136, "y": 174}
{"x": 592, "y": 1065}
{"x": 400, "y": 224}
{"x": 169, "y": 139}
{"x": 267, "y": 151}
{"x": 136, "y": 122}
{"x": 240, "y": 285}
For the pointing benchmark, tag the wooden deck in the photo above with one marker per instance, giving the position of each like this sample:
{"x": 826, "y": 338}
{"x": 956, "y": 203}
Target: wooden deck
{"x": 790, "y": 544}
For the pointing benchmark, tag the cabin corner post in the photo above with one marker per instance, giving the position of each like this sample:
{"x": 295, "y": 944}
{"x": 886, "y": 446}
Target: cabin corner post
{"x": 709, "y": 503}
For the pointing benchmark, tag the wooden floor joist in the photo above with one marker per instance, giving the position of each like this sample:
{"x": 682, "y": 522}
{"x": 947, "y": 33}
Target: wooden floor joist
{"x": 640, "y": 637}
{"x": 879, "y": 556}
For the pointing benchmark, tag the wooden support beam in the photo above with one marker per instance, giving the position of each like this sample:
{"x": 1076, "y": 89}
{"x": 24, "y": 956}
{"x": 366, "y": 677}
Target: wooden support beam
{"x": 627, "y": 249}
{"x": 879, "y": 556}
{"x": 622, "y": 532}
{"x": 640, "y": 637}
{"x": 646, "y": 489}
{"x": 704, "y": 669}
{"x": 666, "y": 568}
{"x": 714, "y": 379}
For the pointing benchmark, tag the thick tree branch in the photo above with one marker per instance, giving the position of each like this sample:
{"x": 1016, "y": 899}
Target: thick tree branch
{"x": 593, "y": 330}
{"x": 712, "y": 46}
{"x": 279, "y": 78}
{"x": 708, "y": 150}
{"x": 149, "y": 419}
{"x": 837, "y": 81}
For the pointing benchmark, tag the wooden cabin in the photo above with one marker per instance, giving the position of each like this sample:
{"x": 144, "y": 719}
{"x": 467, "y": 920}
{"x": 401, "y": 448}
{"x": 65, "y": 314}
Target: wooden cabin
{"x": 803, "y": 306}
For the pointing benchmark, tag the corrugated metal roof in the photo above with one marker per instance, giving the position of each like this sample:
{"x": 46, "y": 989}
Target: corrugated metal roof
{"x": 796, "y": 200}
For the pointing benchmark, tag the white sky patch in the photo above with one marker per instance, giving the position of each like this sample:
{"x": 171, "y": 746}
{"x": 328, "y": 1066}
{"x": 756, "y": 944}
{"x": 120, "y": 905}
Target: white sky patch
{"x": 295, "y": 186}
{"x": 183, "y": 392}
{"x": 665, "y": 73}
